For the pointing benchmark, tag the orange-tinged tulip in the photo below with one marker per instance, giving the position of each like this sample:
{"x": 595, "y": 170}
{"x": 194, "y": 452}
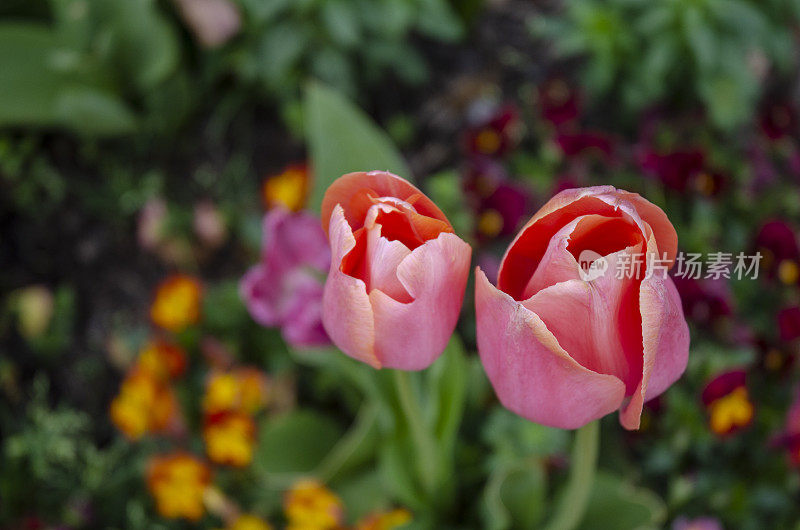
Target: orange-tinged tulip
{"x": 398, "y": 272}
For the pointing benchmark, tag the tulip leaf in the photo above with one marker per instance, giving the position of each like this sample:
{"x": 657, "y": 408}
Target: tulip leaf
{"x": 617, "y": 505}
{"x": 296, "y": 442}
{"x": 341, "y": 139}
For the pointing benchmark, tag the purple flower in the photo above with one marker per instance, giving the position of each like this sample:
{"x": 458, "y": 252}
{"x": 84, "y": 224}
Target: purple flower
{"x": 699, "y": 523}
{"x": 285, "y": 289}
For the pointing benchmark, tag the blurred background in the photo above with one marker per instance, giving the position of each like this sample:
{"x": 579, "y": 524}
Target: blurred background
{"x": 159, "y": 370}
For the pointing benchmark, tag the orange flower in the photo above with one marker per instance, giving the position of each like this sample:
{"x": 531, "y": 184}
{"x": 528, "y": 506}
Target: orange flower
{"x": 177, "y": 482}
{"x": 163, "y": 359}
{"x": 229, "y": 438}
{"x": 309, "y": 504}
{"x": 385, "y": 520}
{"x": 288, "y": 188}
{"x": 249, "y": 522}
{"x": 177, "y": 303}
{"x": 243, "y": 390}
{"x": 144, "y": 404}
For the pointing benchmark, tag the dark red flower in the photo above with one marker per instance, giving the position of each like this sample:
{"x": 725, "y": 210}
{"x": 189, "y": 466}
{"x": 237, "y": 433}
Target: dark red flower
{"x": 778, "y": 119}
{"x": 559, "y": 103}
{"x": 780, "y": 254}
{"x": 704, "y": 301}
{"x": 495, "y": 135}
{"x": 675, "y": 169}
{"x": 501, "y": 213}
{"x": 789, "y": 323}
{"x": 789, "y": 438}
{"x": 585, "y": 143}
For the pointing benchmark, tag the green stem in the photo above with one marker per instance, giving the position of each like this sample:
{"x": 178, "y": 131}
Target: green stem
{"x": 572, "y": 505}
{"x": 425, "y": 444}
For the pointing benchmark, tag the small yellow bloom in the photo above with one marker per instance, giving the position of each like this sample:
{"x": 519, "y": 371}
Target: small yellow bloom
{"x": 488, "y": 141}
{"x": 177, "y": 482}
{"x": 385, "y": 520}
{"x": 490, "y": 223}
{"x": 144, "y": 404}
{"x": 243, "y": 389}
{"x": 177, "y": 303}
{"x": 788, "y": 271}
{"x": 288, "y": 189}
{"x": 249, "y": 522}
{"x": 731, "y": 412}
{"x": 162, "y": 359}
{"x": 230, "y": 438}
{"x": 310, "y": 505}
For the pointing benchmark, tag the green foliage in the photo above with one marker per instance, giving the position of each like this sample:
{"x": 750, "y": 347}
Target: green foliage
{"x": 711, "y": 51}
{"x": 347, "y": 44}
{"x": 343, "y": 139}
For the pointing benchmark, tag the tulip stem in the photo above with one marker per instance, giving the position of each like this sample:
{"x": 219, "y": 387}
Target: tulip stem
{"x": 423, "y": 440}
{"x": 572, "y": 505}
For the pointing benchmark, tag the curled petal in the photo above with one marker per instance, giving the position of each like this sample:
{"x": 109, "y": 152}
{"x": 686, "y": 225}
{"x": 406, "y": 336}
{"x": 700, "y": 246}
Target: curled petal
{"x": 352, "y": 190}
{"x": 346, "y": 309}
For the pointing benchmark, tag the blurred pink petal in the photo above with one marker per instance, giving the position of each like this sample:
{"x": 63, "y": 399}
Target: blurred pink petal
{"x": 213, "y": 22}
{"x": 285, "y": 289}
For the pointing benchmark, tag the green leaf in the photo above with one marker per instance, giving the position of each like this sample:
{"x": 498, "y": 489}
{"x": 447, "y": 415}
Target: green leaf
{"x": 448, "y": 378}
{"x": 343, "y": 139}
{"x": 616, "y": 505}
{"x": 341, "y": 22}
{"x": 93, "y": 112}
{"x": 515, "y": 497}
{"x": 295, "y": 442}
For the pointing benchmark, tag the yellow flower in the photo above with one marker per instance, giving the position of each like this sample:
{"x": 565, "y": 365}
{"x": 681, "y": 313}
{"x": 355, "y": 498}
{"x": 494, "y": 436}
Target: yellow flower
{"x": 162, "y": 359}
{"x": 385, "y": 520}
{"x": 229, "y": 438}
{"x": 289, "y": 188}
{"x": 310, "y": 505}
{"x": 252, "y": 389}
{"x": 177, "y": 303}
{"x": 177, "y": 482}
{"x": 243, "y": 390}
{"x": 144, "y": 404}
{"x": 731, "y": 412}
{"x": 249, "y": 522}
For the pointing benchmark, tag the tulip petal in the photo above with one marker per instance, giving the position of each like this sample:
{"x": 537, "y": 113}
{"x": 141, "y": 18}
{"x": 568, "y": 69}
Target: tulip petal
{"x": 347, "y": 191}
{"x": 531, "y": 373}
{"x": 414, "y": 334}
{"x": 346, "y": 310}
{"x": 597, "y": 322}
{"x": 665, "y": 339}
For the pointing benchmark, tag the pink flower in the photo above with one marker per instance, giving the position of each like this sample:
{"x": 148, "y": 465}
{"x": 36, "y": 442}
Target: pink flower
{"x": 398, "y": 272}
{"x": 563, "y": 346}
{"x": 285, "y": 289}
{"x": 213, "y": 22}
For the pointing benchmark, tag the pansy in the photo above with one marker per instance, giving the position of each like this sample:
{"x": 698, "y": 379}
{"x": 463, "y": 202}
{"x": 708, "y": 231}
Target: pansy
{"x": 776, "y": 241}
{"x": 727, "y": 401}
{"x": 494, "y": 135}
{"x": 309, "y": 504}
{"x": 177, "y": 303}
{"x": 288, "y": 189}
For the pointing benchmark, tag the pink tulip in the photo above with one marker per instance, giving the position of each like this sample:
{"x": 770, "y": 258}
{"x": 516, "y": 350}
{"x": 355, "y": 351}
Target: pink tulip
{"x": 398, "y": 272}
{"x": 563, "y": 347}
